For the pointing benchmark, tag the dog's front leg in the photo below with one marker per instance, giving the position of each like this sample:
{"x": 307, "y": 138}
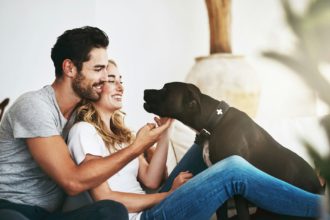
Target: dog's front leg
{"x": 242, "y": 208}
{"x": 222, "y": 212}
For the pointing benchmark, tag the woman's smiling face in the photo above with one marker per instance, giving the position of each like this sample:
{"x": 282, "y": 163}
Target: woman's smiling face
{"x": 112, "y": 92}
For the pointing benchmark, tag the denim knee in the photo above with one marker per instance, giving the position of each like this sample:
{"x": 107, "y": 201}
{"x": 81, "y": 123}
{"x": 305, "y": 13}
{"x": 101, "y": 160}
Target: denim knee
{"x": 108, "y": 209}
{"x": 234, "y": 165}
{"x": 234, "y": 172}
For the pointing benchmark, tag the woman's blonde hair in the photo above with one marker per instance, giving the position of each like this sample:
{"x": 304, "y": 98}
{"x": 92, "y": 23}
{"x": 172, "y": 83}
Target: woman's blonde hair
{"x": 118, "y": 134}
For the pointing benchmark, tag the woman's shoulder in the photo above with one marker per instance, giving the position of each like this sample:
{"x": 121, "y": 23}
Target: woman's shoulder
{"x": 81, "y": 127}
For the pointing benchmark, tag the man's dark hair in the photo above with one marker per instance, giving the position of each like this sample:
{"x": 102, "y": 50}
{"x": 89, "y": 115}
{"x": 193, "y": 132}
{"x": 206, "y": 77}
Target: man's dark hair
{"x": 76, "y": 45}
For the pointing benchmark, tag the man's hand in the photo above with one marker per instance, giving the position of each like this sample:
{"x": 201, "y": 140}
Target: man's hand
{"x": 150, "y": 134}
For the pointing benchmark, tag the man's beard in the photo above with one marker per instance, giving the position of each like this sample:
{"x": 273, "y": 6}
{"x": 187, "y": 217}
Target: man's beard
{"x": 84, "y": 92}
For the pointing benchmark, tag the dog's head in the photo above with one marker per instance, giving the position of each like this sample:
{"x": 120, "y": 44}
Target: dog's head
{"x": 176, "y": 100}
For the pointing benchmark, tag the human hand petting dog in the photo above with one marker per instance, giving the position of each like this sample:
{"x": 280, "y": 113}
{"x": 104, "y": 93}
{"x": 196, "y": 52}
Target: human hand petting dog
{"x": 149, "y": 134}
{"x": 162, "y": 120}
{"x": 181, "y": 179}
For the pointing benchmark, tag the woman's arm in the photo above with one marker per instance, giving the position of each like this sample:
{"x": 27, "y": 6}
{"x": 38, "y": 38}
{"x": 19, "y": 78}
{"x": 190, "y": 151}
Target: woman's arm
{"x": 134, "y": 202}
{"x": 152, "y": 174}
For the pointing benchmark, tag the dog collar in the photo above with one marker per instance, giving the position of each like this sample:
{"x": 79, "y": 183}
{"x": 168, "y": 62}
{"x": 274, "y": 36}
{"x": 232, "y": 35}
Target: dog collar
{"x": 214, "y": 119}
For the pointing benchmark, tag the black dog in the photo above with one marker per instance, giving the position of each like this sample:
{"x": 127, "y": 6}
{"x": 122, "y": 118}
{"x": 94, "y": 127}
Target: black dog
{"x": 230, "y": 132}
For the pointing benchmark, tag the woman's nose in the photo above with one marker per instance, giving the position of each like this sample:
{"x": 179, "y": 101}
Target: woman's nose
{"x": 119, "y": 86}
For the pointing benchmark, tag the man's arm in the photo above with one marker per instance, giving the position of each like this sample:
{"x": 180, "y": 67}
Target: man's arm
{"x": 52, "y": 154}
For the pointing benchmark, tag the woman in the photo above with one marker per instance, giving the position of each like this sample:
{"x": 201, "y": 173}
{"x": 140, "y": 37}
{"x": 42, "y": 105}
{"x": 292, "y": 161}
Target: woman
{"x": 192, "y": 191}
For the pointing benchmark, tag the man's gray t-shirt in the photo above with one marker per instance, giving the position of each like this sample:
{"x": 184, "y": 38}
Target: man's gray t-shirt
{"x": 34, "y": 114}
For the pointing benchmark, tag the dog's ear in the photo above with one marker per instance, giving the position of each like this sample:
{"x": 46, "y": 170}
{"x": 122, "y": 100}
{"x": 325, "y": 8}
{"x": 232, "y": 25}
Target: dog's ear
{"x": 194, "y": 98}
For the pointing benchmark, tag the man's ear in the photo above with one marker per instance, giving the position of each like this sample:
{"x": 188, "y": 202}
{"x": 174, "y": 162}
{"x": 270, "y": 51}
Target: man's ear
{"x": 68, "y": 68}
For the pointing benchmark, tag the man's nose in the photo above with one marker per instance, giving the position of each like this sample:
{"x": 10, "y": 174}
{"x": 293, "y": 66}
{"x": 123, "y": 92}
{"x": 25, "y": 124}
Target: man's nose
{"x": 104, "y": 76}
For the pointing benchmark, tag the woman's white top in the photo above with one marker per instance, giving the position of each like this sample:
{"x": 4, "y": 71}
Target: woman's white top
{"x": 83, "y": 139}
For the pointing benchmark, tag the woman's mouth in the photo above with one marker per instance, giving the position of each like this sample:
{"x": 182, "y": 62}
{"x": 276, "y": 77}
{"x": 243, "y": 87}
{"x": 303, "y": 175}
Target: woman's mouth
{"x": 117, "y": 97}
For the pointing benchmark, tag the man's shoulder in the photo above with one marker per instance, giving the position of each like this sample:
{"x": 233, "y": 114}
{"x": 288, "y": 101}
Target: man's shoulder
{"x": 32, "y": 105}
{"x": 34, "y": 114}
{"x": 33, "y": 99}
{"x": 37, "y": 95}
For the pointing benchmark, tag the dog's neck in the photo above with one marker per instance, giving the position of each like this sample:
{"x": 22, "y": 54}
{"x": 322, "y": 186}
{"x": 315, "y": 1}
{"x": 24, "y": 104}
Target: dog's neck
{"x": 211, "y": 114}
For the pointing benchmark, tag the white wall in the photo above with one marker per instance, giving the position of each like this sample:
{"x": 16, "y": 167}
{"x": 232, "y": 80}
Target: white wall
{"x": 28, "y": 31}
{"x": 153, "y": 41}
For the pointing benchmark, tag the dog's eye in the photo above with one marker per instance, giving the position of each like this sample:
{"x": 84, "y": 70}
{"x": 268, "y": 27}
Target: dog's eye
{"x": 192, "y": 104}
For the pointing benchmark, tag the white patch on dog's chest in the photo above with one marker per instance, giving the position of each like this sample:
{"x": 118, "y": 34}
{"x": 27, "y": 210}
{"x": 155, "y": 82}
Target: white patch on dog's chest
{"x": 206, "y": 154}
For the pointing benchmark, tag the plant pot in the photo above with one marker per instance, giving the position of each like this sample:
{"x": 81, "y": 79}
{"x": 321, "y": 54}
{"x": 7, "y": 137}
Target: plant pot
{"x": 227, "y": 77}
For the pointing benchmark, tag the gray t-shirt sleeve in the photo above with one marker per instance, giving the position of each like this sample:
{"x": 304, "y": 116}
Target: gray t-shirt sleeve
{"x": 33, "y": 117}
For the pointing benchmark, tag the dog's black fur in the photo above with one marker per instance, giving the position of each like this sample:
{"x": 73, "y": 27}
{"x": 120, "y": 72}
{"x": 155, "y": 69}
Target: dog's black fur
{"x": 235, "y": 134}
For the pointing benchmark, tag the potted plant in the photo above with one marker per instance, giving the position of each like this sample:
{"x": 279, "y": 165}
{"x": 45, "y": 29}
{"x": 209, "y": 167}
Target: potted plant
{"x": 312, "y": 31}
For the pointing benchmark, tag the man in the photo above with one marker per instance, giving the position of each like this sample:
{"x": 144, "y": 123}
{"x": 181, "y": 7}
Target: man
{"x": 36, "y": 169}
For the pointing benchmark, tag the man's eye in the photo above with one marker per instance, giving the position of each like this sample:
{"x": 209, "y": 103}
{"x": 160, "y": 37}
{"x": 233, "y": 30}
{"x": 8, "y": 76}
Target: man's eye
{"x": 111, "y": 81}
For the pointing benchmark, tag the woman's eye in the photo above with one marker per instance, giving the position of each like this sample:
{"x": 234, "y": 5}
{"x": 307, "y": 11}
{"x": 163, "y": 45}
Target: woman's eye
{"x": 111, "y": 81}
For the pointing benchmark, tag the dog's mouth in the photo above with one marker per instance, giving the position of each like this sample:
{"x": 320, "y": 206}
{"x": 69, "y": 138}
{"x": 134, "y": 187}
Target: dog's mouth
{"x": 147, "y": 107}
{"x": 151, "y": 108}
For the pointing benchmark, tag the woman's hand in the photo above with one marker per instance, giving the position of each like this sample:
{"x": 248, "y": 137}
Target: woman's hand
{"x": 151, "y": 173}
{"x": 181, "y": 179}
{"x": 161, "y": 121}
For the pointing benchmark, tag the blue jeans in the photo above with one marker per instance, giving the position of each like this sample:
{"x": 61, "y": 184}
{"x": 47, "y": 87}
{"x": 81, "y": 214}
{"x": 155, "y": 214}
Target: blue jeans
{"x": 201, "y": 196}
{"x": 100, "y": 210}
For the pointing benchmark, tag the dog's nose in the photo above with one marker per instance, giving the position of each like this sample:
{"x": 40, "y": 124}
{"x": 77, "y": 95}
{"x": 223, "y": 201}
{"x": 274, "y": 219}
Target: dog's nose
{"x": 145, "y": 94}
